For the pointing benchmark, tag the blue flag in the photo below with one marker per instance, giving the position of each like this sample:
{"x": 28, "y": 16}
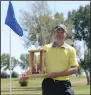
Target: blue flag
{"x": 11, "y": 20}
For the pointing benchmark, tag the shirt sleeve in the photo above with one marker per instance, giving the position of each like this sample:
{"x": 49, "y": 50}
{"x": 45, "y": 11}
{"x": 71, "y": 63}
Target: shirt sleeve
{"x": 73, "y": 58}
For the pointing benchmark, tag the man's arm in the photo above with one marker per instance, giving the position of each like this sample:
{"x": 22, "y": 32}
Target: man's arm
{"x": 68, "y": 72}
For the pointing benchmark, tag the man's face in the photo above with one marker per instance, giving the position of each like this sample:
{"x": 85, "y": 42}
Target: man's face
{"x": 60, "y": 35}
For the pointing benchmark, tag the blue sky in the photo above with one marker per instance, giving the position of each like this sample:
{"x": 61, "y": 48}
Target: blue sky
{"x": 17, "y": 47}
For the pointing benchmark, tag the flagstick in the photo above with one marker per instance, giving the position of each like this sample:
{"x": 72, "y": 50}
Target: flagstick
{"x": 10, "y": 66}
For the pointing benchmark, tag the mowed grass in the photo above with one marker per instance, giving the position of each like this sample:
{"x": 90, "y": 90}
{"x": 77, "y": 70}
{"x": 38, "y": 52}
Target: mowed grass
{"x": 79, "y": 84}
{"x": 34, "y": 86}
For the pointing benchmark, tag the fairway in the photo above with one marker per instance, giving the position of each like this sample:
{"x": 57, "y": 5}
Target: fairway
{"x": 34, "y": 87}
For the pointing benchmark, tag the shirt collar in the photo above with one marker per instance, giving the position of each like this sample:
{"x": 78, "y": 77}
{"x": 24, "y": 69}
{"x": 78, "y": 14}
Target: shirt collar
{"x": 54, "y": 44}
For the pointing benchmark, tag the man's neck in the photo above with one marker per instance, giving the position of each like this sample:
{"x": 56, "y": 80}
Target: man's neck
{"x": 59, "y": 44}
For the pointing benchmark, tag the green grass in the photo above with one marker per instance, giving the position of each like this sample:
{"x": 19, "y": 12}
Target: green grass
{"x": 79, "y": 84}
{"x": 34, "y": 86}
{"x": 81, "y": 89}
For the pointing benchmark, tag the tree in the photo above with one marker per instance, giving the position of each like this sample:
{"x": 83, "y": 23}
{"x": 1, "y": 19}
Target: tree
{"x": 81, "y": 22}
{"x": 4, "y": 74}
{"x": 36, "y": 23}
{"x": 69, "y": 23}
{"x": 24, "y": 61}
{"x": 40, "y": 22}
{"x": 14, "y": 74}
{"x": 5, "y": 62}
{"x": 58, "y": 18}
{"x": 79, "y": 53}
{"x": 83, "y": 65}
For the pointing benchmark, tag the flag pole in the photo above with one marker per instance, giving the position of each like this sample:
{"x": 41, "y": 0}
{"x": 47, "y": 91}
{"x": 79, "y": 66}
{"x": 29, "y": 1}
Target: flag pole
{"x": 10, "y": 66}
{"x": 13, "y": 24}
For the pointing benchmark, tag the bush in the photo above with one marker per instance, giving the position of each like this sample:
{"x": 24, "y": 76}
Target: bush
{"x": 23, "y": 82}
{"x": 14, "y": 74}
{"x": 4, "y": 75}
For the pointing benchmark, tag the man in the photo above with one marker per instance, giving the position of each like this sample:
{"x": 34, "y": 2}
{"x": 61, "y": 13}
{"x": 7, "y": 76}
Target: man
{"x": 61, "y": 62}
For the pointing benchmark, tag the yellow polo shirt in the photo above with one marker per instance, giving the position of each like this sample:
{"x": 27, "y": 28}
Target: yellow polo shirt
{"x": 59, "y": 59}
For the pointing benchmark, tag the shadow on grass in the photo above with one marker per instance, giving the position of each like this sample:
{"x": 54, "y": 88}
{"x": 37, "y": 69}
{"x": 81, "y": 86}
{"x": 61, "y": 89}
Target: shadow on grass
{"x": 22, "y": 89}
{"x": 21, "y": 94}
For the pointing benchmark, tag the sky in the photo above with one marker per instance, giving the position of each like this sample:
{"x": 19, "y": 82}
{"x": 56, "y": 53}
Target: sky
{"x": 17, "y": 47}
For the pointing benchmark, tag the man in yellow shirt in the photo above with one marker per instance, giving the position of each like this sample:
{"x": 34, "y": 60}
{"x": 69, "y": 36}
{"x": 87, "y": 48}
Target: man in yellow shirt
{"x": 61, "y": 62}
